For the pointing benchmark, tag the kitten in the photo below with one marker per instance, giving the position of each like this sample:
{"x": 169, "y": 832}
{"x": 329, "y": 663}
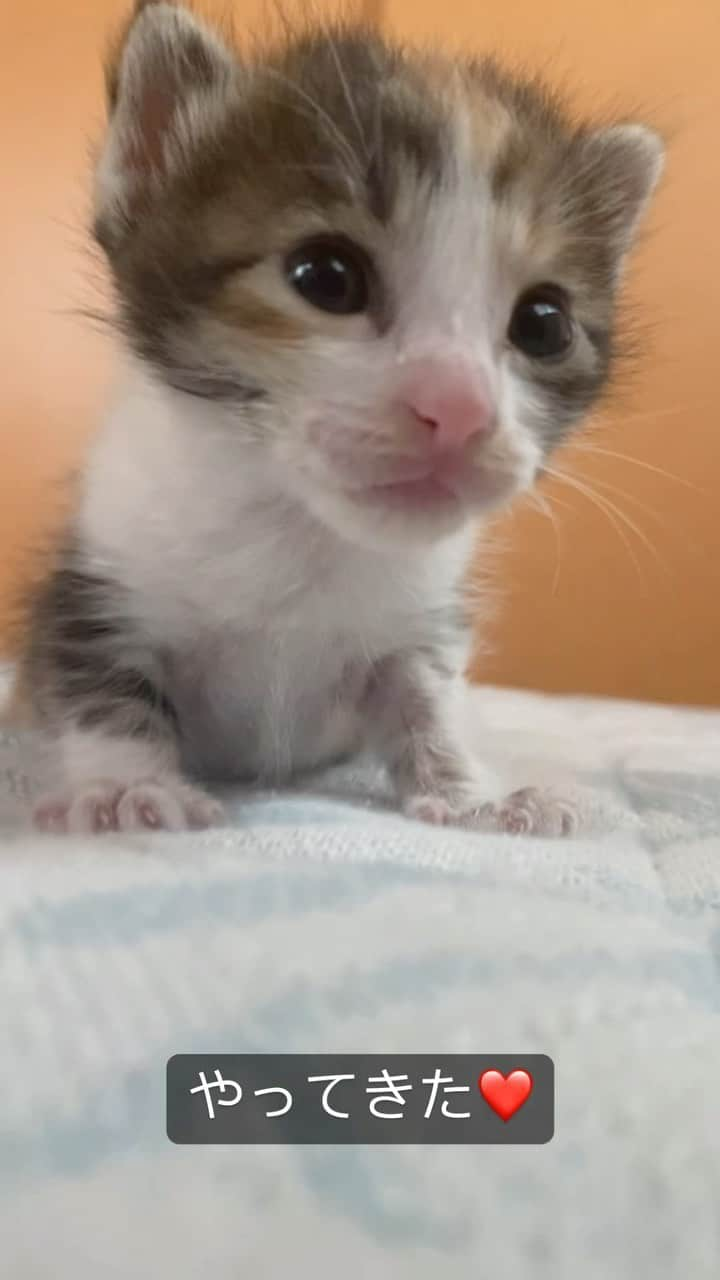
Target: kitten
{"x": 364, "y": 292}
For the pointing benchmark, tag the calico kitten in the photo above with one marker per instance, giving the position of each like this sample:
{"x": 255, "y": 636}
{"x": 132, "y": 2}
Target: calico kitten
{"x": 363, "y": 292}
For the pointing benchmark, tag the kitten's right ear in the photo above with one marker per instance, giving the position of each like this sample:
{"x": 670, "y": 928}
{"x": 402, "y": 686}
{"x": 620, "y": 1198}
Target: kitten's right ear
{"x": 169, "y": 81}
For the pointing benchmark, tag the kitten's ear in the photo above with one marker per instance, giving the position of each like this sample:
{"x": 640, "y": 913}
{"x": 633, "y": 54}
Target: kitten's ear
{"x": 622, "y": 165}
{"x": 168, "y": 83}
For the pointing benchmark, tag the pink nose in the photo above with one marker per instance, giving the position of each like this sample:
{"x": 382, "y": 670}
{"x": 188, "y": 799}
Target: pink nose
{"x": 450, "y": 398}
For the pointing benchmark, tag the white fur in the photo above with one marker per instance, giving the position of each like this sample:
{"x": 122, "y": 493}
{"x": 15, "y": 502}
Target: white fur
{"x": 266, "y": 609}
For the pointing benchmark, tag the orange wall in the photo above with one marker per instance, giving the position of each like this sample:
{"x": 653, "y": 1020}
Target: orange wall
{"x": 587, "y": 612}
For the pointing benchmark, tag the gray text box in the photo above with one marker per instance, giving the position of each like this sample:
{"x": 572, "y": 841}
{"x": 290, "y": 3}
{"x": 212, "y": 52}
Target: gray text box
{"x": 392, "y": 1098}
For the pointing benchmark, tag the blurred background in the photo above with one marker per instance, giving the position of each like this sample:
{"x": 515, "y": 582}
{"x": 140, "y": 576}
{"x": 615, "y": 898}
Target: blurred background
{"x": 618, "y": 593}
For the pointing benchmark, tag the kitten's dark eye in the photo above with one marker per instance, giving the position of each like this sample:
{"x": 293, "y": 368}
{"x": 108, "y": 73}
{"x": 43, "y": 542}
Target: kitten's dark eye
{"x": 332, "y": 275}
{"x": 541, "y": 326}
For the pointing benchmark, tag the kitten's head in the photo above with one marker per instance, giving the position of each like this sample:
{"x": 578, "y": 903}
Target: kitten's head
{"x": 396, "y": 272}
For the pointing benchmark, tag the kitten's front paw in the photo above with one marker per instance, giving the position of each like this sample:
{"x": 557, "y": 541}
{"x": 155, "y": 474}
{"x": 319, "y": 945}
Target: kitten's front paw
{"x": 155, "y": 804}
{"x": 533, "y": 811}
{"x": 432, "y": 809}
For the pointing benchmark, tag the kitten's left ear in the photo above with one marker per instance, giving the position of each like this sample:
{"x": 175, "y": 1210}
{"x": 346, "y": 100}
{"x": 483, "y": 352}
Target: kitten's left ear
{"x": 622, "y": 165}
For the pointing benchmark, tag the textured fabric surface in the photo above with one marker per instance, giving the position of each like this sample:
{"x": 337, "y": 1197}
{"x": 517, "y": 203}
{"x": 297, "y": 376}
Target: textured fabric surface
{"x": 321, "y": 921}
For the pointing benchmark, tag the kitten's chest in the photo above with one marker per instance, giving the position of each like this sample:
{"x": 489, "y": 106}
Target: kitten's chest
{"x": 268, "y": 703}
{"x": 271, "y": 654}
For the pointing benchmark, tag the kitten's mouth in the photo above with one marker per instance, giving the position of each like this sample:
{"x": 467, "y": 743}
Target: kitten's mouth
{"x": 440, "y": 492}
{"x": 425, "y": 491}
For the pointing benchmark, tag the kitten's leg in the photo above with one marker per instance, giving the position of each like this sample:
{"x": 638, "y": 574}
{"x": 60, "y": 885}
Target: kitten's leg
{"x": 409, "y": 709}
{"x": 98, "y": 692}
{"x": 437, "y": 780}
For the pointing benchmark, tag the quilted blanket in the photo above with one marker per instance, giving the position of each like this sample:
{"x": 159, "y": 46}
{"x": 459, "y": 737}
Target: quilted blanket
{"x": 318, "y": 921}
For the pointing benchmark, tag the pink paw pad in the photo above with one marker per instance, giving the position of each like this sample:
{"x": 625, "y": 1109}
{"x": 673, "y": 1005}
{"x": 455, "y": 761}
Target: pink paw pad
{"x": 152, "y": 805}
{"x": 431, "y": 809}
{"x": 533, "y": 811}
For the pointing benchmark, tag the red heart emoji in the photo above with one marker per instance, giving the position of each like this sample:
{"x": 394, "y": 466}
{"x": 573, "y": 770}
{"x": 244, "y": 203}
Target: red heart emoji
{"x": 505, "y": 1094}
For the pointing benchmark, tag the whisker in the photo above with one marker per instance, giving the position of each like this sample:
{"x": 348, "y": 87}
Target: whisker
{"x": 649, "y": 415}
{"x": 378, "y": 150}
{"x": 554, "y": 500}
{"x": 319, "y": 113}
{"x": 642, "y": 415}
{"x": 637, "y": 462}
{"x": 348, "y": 95}
{"x": 646, "y": 510}
{"x": 637, "y": 530}
{"x": 542, "y": 504}
{"x": 611, "y": 513}
{"x": 629, "y": 497}
{"x": 622, "y": 516}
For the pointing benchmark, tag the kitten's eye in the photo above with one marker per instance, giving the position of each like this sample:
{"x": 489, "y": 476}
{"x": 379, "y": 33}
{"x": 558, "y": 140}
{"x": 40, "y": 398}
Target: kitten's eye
{"x": 541, "y": 326}
{"x": 331, "y": 274}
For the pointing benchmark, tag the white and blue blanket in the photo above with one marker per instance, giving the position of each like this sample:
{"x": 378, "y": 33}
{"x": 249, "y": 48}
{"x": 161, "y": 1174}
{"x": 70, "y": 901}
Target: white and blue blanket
{"x": 318, "y": 922}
